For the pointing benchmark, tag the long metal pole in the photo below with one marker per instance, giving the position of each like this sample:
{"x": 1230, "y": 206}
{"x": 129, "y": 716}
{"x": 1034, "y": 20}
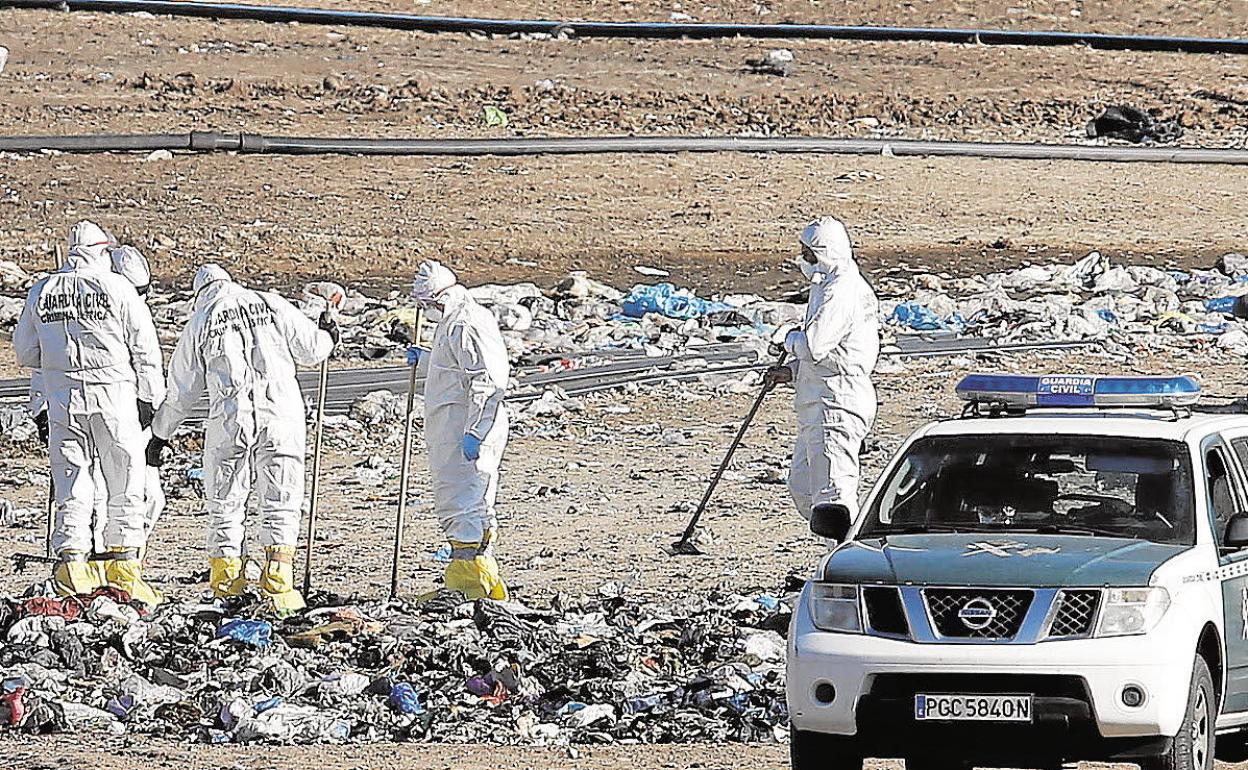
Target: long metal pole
{"x": 405, "y": 468}
{"x": 51, "y": 513}
{"x": 683, "y": 544}
{"x": 314, "y": 503}
{"x": 51, "y": 524}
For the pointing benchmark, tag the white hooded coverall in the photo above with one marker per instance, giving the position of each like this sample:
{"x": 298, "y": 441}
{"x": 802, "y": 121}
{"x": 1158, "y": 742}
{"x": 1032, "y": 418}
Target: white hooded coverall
{"x": 92, "y": 337}
{"x": 833, "y": 355}
{"x": 242, "y": 347}
{"x": 129, "y": 263}
{"x": 464, "y": 389}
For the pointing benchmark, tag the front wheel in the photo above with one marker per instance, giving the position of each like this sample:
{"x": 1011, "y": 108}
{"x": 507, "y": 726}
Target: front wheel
{"x": 1193, "y": 746}
{"x": 817, "y": 751}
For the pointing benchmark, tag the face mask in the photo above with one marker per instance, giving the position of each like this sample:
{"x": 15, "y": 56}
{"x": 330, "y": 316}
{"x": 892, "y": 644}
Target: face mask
{"x": 433, "y": 313}
{"x": 809, "y": 270}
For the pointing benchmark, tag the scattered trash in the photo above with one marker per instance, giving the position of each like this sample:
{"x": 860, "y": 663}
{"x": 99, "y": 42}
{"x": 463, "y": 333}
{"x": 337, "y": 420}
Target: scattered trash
{"x": 651, "y": 272}
{"x": 603, "y": 669}
{"x": 158, "y": 155}
{"x": 778, "y": 61}
{"x": 1133, "y": 125}
{"x": 494, "y": 117}
{"x": 257, "y": 633}
{"x": 665, "y": 299}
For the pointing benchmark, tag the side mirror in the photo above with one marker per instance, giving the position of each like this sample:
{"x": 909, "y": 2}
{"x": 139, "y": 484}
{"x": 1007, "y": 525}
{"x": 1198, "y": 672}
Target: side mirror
{"x": 832, "y": 521}
{"x": 1236, "y": 532}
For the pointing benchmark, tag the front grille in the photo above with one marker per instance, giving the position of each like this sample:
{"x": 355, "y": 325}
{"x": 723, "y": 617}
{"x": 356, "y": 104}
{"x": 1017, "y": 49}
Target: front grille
{"x": 1075, "y": 612}
{"x": 884, "y": 612}
{"x": 906, "y": 686}
{"x": 972, "y": 613}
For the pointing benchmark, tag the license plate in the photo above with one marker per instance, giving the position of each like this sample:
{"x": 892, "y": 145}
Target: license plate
{"x": 972, "y": 708}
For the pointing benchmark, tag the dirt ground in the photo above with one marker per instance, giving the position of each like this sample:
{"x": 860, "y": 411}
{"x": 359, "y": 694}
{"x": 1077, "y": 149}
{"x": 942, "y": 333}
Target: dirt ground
{"x": 87, "y": 73}
{"x": 714, "y": 222}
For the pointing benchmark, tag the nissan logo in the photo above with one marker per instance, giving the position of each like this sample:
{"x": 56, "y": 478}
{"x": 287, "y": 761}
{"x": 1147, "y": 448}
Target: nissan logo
{"x": 977, "y": 614}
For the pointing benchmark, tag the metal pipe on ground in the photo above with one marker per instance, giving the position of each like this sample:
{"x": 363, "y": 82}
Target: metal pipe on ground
{"x": 206, "y": 141}
{"x": 646, "y": 30}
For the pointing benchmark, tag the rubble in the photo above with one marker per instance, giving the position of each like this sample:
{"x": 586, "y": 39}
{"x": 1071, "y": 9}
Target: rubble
{"x": 1133, "y": 125}
{"x": 599, "y": 669}
{"x": 582, "y": 323}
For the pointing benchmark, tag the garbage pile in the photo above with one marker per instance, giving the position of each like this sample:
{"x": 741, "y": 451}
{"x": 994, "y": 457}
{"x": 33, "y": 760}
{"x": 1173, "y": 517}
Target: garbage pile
{"x": 595, "y": 670}
{"x": 1091, "y": 299}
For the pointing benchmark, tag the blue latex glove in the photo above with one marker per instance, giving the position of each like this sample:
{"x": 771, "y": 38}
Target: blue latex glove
{"x": 414, "y": 354}
{"x": 472, "y": 447}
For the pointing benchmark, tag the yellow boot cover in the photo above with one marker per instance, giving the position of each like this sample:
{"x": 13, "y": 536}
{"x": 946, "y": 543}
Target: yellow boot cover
{"x": 278, "y": 579}
{"x": 99, "y": 571}
{"x": 473, "y": 573}
{"x": 75, "y": 575}
{"x": 125, "y": 572}
{"x": 225, "y": 576}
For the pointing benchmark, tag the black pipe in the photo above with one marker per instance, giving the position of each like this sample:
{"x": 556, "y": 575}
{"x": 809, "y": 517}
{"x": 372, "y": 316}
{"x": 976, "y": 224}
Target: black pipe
{"x": 403, "y": 21}
{"x": 208, "y": 141}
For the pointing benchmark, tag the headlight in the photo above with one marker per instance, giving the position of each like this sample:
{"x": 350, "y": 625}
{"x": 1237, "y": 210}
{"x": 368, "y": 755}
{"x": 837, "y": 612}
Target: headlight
{"x": 1131, "y": 611}
{"x": 835, "y": 608}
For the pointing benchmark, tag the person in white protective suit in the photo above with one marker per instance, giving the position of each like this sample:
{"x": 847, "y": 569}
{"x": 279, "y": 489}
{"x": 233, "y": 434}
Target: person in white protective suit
{"x": 242, "y": 348}
{"x": 832, "y": 355}
{"x": 129, "y": 263}
{"x": 466, "y": 425}
{"x": 92, "y": 337}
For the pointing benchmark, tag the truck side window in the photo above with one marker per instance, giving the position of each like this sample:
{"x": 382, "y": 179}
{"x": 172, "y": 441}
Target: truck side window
{"x": 1221, "y": 498}
{"x": 1241, "y": 451}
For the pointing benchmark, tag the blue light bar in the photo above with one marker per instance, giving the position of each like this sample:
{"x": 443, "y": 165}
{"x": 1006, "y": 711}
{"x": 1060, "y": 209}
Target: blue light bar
{"x": 1078, "y": 390}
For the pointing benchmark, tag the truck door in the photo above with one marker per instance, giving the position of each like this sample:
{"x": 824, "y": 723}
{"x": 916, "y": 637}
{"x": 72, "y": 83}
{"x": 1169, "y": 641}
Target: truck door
{"x": 1225, "y": 489}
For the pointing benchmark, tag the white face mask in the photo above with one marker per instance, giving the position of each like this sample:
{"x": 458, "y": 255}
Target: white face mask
{"x": 809, "y": 270}
{"x": 433, "y": 313}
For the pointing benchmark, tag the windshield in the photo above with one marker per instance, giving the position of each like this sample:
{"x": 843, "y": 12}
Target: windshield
{"x": 1081, "y": 485}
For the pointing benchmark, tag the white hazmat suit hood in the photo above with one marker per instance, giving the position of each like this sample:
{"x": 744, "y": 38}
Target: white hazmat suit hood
{"x": 129, "y": 263}
{"x": 833, "y": 355}
{"x": 207, "y": 274}
{"x": 89, "y": 246}
{"x": 241, "y": 348}
{"x": 829, "y": 240}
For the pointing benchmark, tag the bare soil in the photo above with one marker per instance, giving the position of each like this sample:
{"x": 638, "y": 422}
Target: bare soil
{"x": 98, "y": 72}
{"x": 714, "y": 222}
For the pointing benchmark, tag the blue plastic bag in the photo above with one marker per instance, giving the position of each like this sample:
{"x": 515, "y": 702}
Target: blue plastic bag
{"x": 257, "y": 633}
{"x": 666, "y": 299}
{"x": 405, "y": 700}
{"x": 1221, "y": 305}
{"x": 918, "y": 317}
{"x": 1107, "y": 315}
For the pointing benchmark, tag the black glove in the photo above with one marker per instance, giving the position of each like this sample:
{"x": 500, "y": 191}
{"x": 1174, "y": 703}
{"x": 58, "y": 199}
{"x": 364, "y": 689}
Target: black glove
{"x": 1241, "y": 307}
{"x": 147, "y": 413}
{"x": 154, "y": 448}
{"x": 327, "y": 325}
{"x": 41, "y": 423}
{"x": 778, "y": 374}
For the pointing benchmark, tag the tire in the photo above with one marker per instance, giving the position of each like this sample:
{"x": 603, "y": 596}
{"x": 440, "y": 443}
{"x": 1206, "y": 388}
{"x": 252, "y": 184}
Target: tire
{"x": 1232, "y": 748}
{"x": 817, "y": 751}
{"x": 1193, "y": 746}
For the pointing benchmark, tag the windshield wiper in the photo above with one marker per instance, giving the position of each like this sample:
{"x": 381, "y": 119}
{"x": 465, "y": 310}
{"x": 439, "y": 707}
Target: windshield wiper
{"x": 919, "y": 529}
{"x": 1081, "y": 529}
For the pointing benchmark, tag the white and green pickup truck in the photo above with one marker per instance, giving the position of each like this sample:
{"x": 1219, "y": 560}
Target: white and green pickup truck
{"x": 1059, "y": 575}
